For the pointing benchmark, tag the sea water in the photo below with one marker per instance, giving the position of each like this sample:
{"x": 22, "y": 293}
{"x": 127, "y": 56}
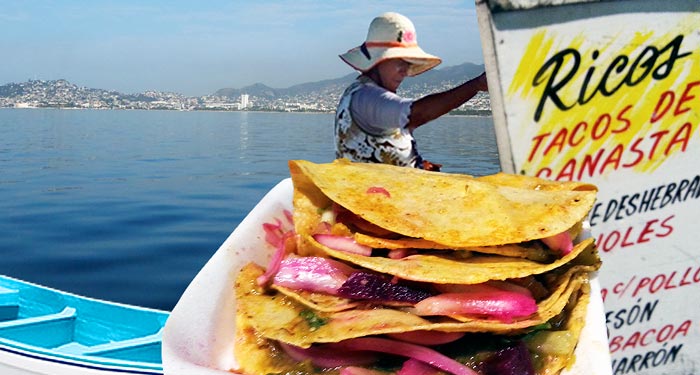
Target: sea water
{"x": 128, "y": 206}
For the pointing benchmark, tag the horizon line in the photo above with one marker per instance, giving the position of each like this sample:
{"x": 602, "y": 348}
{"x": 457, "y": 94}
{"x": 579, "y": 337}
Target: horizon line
{"x": 223, "y": 88}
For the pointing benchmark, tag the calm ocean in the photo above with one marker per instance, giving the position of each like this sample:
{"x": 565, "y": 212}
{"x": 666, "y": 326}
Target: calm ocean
{"x": 129, "y": 205}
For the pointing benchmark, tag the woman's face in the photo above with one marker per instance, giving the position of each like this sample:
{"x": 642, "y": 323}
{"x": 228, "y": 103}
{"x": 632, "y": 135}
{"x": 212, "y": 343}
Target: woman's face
{"x": 392, "y": 72}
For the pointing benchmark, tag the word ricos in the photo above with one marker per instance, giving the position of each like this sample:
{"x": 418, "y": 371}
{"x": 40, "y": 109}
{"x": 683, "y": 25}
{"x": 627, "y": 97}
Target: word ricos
{"x": 557, "y": 74}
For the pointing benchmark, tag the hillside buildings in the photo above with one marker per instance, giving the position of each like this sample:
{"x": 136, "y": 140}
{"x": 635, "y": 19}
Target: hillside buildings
{"x": 63, "y": 94}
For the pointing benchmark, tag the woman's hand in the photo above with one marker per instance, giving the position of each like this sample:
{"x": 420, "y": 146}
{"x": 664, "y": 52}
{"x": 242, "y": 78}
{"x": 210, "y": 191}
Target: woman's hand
{"x": 428, "y": 166}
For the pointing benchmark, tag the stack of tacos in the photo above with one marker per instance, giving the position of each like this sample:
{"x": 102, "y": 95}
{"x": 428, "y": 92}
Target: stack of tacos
{"x": 392, "y": 270}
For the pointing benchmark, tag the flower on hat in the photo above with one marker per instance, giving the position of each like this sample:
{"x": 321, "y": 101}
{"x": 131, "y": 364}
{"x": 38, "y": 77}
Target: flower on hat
{"x": 407, "y": 36}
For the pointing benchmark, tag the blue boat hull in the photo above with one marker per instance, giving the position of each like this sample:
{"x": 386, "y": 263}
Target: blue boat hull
{"x": 46, "y": 331}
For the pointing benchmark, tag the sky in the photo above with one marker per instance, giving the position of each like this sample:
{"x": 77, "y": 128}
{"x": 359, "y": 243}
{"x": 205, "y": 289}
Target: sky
{"x": 197, "y": 47}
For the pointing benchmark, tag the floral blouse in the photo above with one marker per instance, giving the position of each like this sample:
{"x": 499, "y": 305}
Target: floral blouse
{"x": 395, "y": 146}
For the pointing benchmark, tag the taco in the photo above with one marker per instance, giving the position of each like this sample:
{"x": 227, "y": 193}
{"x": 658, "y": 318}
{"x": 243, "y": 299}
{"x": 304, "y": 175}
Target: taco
{"x": 452, "y": 210}
{"x": 396, "y": 270}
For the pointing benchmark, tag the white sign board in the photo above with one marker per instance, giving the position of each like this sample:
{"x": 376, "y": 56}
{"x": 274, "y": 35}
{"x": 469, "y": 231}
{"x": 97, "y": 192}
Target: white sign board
{"x": 608, "y": 92}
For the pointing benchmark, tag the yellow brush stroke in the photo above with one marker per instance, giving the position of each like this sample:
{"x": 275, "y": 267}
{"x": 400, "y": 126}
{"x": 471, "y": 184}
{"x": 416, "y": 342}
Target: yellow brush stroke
{"x": 642, "y": 97}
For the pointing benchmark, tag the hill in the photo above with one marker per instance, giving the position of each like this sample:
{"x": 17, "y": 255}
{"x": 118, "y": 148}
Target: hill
{"x": 432, "y": 81}
{"x": 319, "y": 96}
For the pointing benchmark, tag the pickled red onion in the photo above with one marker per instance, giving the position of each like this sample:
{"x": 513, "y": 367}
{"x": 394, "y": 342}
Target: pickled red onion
{"x": 276, "y": 235}
{"x": 427, "y": 338}
{"x": 560, "y": 243}
{"x": 353, "y": 370}
{"x": 401, "y": 253}
{"x": 499, "y": 305}
{"x": 417, "y": 352}
{"x": 341, "y": 243}
{"x": 378, "y": 190}
{"x": 416, "y": 367}
{"x": 315, "y": 274}
{"x": 491, "y": 286}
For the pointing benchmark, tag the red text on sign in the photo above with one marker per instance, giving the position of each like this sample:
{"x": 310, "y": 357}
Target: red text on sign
{"x": 644, "y": 338}
{"x": 623, "y": 238}
{"x": 637, "y": 286}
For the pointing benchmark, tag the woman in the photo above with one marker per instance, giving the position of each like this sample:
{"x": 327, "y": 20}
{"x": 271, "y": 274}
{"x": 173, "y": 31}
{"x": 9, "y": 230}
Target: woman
{"x": 375, "y": 125}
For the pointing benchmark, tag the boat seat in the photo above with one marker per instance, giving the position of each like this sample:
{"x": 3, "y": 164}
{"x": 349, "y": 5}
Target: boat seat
{"x": 45, "y": 331}
{"x": 9, "y": 304}
{"x": 145, "y": 348}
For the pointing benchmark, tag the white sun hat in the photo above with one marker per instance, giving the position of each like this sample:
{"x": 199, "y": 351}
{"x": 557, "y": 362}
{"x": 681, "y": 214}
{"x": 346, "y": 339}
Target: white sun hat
{"x": 391, "y": 35}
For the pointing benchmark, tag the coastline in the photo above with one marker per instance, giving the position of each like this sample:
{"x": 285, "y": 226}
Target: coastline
{"x": 455, "y": 113}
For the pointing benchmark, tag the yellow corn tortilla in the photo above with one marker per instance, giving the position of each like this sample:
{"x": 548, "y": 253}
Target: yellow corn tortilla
{"x": 535, "y": 252}
{"x": 449, "y": 209}
{"x": 532, "y": 250}
{"x": 317, "y": 301}
{"x": 451, "y": 270}
{"x": 553, "y": 353}
{"x": 535, "y": 183}
{"x": 254, "y": 353}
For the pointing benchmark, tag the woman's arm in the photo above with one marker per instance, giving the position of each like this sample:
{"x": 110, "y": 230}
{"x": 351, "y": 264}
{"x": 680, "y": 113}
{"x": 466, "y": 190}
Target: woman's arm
{"x": 432, "y": 106}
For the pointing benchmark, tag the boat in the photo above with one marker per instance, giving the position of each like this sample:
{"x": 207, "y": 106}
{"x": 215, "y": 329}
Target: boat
{"x": 48, "y": 331}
